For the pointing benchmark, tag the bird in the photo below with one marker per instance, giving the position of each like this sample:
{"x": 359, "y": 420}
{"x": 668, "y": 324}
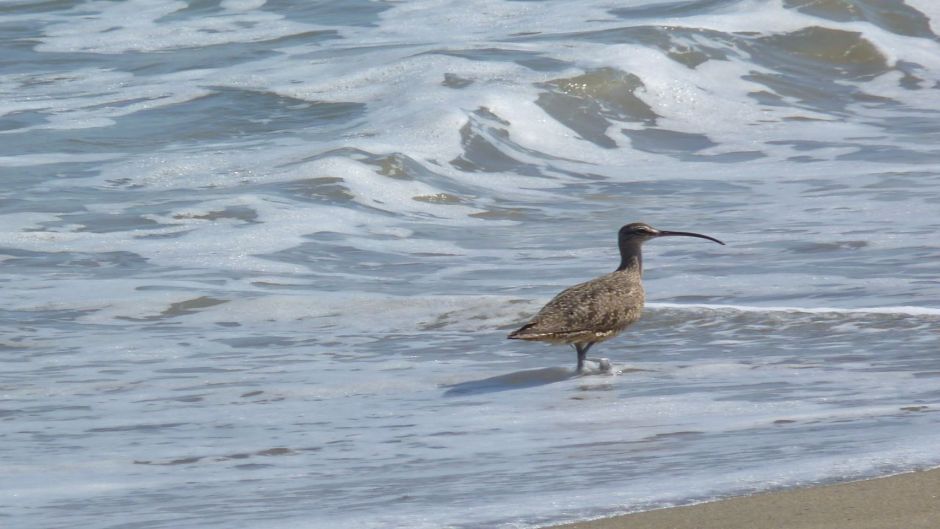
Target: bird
{"x": 599, "y": 309}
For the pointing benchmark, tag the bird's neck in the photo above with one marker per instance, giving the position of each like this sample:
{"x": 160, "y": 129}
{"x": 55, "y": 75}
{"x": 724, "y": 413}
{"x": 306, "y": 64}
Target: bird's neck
{"x": 631, "y": 257}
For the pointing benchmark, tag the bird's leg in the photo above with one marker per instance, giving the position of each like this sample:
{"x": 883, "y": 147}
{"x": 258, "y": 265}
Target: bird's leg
{"x": 582, "y": 352}
{"x": 582, "y": 349}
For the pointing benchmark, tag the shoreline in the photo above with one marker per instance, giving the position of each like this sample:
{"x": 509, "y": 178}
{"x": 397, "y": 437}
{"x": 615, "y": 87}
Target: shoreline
{"x": 902, "y": 501}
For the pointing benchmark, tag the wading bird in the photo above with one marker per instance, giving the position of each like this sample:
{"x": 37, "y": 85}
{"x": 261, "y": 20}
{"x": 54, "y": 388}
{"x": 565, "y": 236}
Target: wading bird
{"x": 601, "y": 308}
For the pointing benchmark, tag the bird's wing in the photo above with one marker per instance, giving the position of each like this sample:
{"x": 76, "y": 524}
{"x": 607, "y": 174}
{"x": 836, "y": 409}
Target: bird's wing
{"x": 600, "y": 305}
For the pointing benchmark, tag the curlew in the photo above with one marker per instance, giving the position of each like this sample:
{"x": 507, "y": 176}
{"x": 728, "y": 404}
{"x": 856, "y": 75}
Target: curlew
{"x": 601, "y": 308}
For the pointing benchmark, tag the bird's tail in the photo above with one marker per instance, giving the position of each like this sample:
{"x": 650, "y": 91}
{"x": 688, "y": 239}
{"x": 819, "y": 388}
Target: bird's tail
{"x": 524, "y": 333}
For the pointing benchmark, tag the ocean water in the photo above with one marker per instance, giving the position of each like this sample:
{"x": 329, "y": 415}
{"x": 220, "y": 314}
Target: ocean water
{"x": 260, "y": 257}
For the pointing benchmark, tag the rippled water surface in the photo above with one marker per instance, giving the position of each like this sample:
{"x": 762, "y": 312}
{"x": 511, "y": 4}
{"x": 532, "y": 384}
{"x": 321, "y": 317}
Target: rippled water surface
{"x": 260, "y": 257}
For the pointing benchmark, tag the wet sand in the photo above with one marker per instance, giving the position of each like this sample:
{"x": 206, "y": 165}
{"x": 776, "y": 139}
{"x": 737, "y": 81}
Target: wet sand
{"x": 904, "y": 501}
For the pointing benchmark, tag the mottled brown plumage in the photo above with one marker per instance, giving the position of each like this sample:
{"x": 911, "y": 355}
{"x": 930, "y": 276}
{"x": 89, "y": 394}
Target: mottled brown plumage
{"x": 599, "y": 309}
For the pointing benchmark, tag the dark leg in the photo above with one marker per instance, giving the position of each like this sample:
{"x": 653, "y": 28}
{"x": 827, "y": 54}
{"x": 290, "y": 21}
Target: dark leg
{"x": 582, "y": 349}
{"x": 582, "y": 352}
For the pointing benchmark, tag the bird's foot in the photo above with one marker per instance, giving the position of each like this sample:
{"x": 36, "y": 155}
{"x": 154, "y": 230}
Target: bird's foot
{"x": 603, "y": 364}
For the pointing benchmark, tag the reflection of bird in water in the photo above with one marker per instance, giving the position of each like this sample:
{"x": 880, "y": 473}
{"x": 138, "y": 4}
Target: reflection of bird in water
{"x": 601, "y": 308}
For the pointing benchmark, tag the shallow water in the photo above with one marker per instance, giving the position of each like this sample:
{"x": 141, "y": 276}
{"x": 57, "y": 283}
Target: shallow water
{"x": 261, "y": 257}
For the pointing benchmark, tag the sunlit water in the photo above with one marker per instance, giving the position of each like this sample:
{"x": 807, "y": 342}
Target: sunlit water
{"x": 260, "y": 258}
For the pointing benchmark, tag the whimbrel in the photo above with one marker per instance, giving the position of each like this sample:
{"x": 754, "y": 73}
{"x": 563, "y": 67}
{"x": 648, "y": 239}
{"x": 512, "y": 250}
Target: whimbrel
{"x": 601, "y": 308}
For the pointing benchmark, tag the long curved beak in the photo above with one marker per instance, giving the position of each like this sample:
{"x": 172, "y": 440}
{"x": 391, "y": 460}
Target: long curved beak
{"x": 663, "y": 233}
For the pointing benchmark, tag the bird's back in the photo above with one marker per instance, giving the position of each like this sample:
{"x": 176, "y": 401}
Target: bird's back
{"x": 588, "y": 312}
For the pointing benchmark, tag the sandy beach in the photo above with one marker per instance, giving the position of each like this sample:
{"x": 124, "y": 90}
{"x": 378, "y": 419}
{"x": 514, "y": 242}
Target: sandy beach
{"x": 904, "y": 501}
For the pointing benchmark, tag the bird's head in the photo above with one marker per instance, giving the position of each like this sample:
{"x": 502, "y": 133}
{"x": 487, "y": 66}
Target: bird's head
{"x": 639, "y": 232}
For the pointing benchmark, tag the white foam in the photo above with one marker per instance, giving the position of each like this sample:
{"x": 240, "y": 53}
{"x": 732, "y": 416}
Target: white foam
{"x": 469, "y": 23}
{"x": 903, "y": 310}
{"x": 48, "y": 158}
{"x": 376, "y": 191}
{"x": 930, "y": 9}
{"x": 217, "y": 245}
{"x": 90, "y": 97}
{"x": 141, "y": 25}
{"x": 757, "y": 16}
{"x": 410, "y": 111}
{"x": 242, "y": 5}
{"x": 390, "y": 314}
